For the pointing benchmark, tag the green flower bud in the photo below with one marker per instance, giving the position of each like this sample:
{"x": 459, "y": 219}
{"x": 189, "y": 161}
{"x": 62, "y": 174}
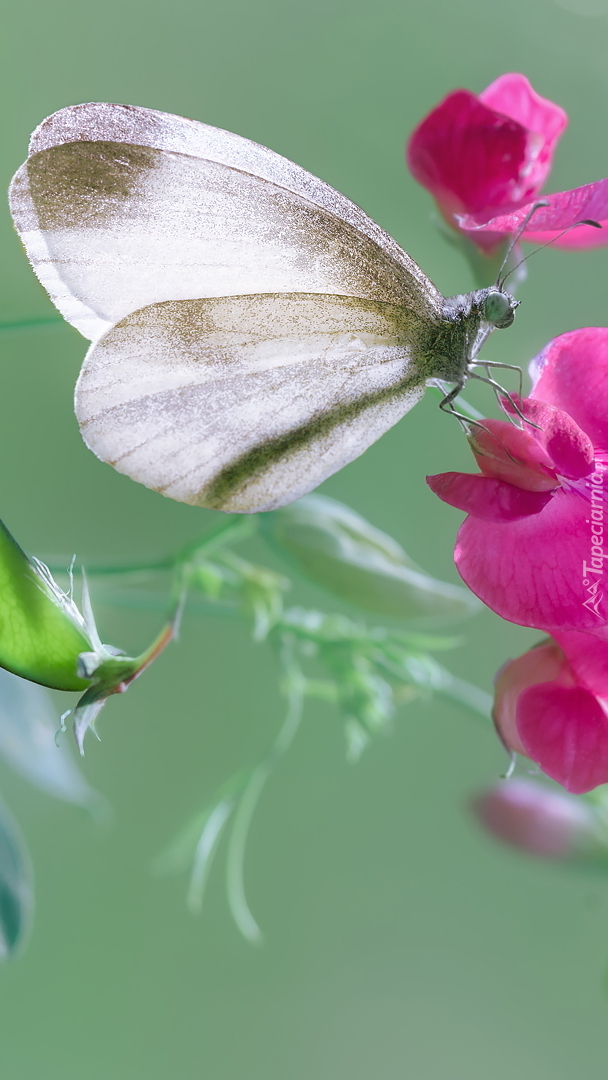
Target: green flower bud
{"x": 46, "y": 639}
{"x": 41, "y": 630}
{"x": 339, "y": 550}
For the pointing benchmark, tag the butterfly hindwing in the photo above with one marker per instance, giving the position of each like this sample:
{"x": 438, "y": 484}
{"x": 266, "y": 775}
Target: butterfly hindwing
{"x": 244, "y": 403}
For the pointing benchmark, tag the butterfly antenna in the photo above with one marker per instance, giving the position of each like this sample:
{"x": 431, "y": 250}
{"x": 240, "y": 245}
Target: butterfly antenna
{"x": 500, "y": 280}
{"x": 575, "y": 225}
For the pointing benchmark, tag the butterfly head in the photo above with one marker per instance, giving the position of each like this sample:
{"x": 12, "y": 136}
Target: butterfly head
{"x": 498, "y": 308}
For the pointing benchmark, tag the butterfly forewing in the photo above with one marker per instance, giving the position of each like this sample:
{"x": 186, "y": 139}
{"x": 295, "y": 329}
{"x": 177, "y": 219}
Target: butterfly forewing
{"x": 111, "y": 226}
{"x": 99, "y": 121}
{"x": 218, "y": 403}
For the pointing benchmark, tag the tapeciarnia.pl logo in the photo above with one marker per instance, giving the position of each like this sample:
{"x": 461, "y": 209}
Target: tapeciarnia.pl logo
{"x": 593, "y": 571}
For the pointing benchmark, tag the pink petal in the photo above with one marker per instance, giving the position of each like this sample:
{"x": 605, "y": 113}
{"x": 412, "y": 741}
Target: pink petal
{"x": 513, "y": 95}
{"x": 572, "y": 373}
{"x": 583, "y": 238}
{"x": 505, "y": 452}
{"x": 544, "y": 663}
{"x": 566, "y": 732}
{"x": 588, "y": 658}
{"x": 567, "y": 446}
{"x": 470, "y": 157}
{"x": 530, "y": 571}
{"x": 492, "y": 500}
{"x": 564, "y": 209}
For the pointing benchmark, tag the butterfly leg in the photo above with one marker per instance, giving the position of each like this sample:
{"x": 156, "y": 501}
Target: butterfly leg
{"x": 466, "y": 421}
{"x": 447, "y": 405}
{"x": 509, "y": 367}
{"x": 500, "y": 393}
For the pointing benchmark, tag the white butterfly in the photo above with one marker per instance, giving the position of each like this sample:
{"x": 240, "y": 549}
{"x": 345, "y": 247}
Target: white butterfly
{"x": 253, "y": 329}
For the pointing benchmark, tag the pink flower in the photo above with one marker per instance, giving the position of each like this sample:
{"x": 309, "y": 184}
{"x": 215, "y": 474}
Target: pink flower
{"x": 485, "y": 158}
{"x": 551, "y": 705}
{"x": 533, "y": 546}
{"x": 531, "y": 817}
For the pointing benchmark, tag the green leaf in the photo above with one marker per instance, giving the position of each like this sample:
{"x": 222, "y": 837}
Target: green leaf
{"x": 41, "y": 631}
{"x": 293, "y": 688}
{"x": 339, "y": 550}
{"x": 16, "y": 886}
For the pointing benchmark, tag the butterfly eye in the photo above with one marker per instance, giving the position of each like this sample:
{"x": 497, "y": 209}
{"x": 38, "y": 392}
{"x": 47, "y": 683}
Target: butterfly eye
{"x": 498, "y": 309}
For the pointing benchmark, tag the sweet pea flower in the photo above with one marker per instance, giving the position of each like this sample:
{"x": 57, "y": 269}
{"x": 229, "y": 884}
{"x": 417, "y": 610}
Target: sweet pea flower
{"x": 529, "y": 816}
{"x": 485, "y": 158}
{"x": 551, "y": 705}
{"x": 533, "y": 546}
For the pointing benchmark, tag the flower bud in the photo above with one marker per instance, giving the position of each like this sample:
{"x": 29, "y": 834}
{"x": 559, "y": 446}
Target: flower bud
{"x": 339, "y": 550}
{"x": 535, "y": 819}
{"x": 46, "y": 639}
{"x": 41, "y": 631}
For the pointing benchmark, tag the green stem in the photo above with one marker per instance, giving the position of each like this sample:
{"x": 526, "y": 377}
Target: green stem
{"x": 235, "y": 528}
{"x": 464, "y": 693}
{"x": 160, "y": 642}
{"x": 238, "y": 527}
{"x": 205, "y": 852}
{"x": 27, "y": 324}
{"x": 237, "y": 899}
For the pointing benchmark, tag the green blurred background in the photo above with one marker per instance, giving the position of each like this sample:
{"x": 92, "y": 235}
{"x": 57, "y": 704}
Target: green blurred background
{"x": 400, "y": 943}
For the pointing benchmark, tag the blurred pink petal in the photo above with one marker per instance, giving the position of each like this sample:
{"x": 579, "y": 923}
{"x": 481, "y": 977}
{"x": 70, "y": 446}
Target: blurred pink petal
{"x": 488, "y": 499}
{"x": 565, "y": 730}
{"x": 513, "y": 96}
{"x": 485, "y": 157}
{"x": 470, "y": 157}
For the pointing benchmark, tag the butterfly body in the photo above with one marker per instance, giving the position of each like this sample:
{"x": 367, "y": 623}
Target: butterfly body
{"x": 450, "y": 344}
{"x": 253, "y": 330}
